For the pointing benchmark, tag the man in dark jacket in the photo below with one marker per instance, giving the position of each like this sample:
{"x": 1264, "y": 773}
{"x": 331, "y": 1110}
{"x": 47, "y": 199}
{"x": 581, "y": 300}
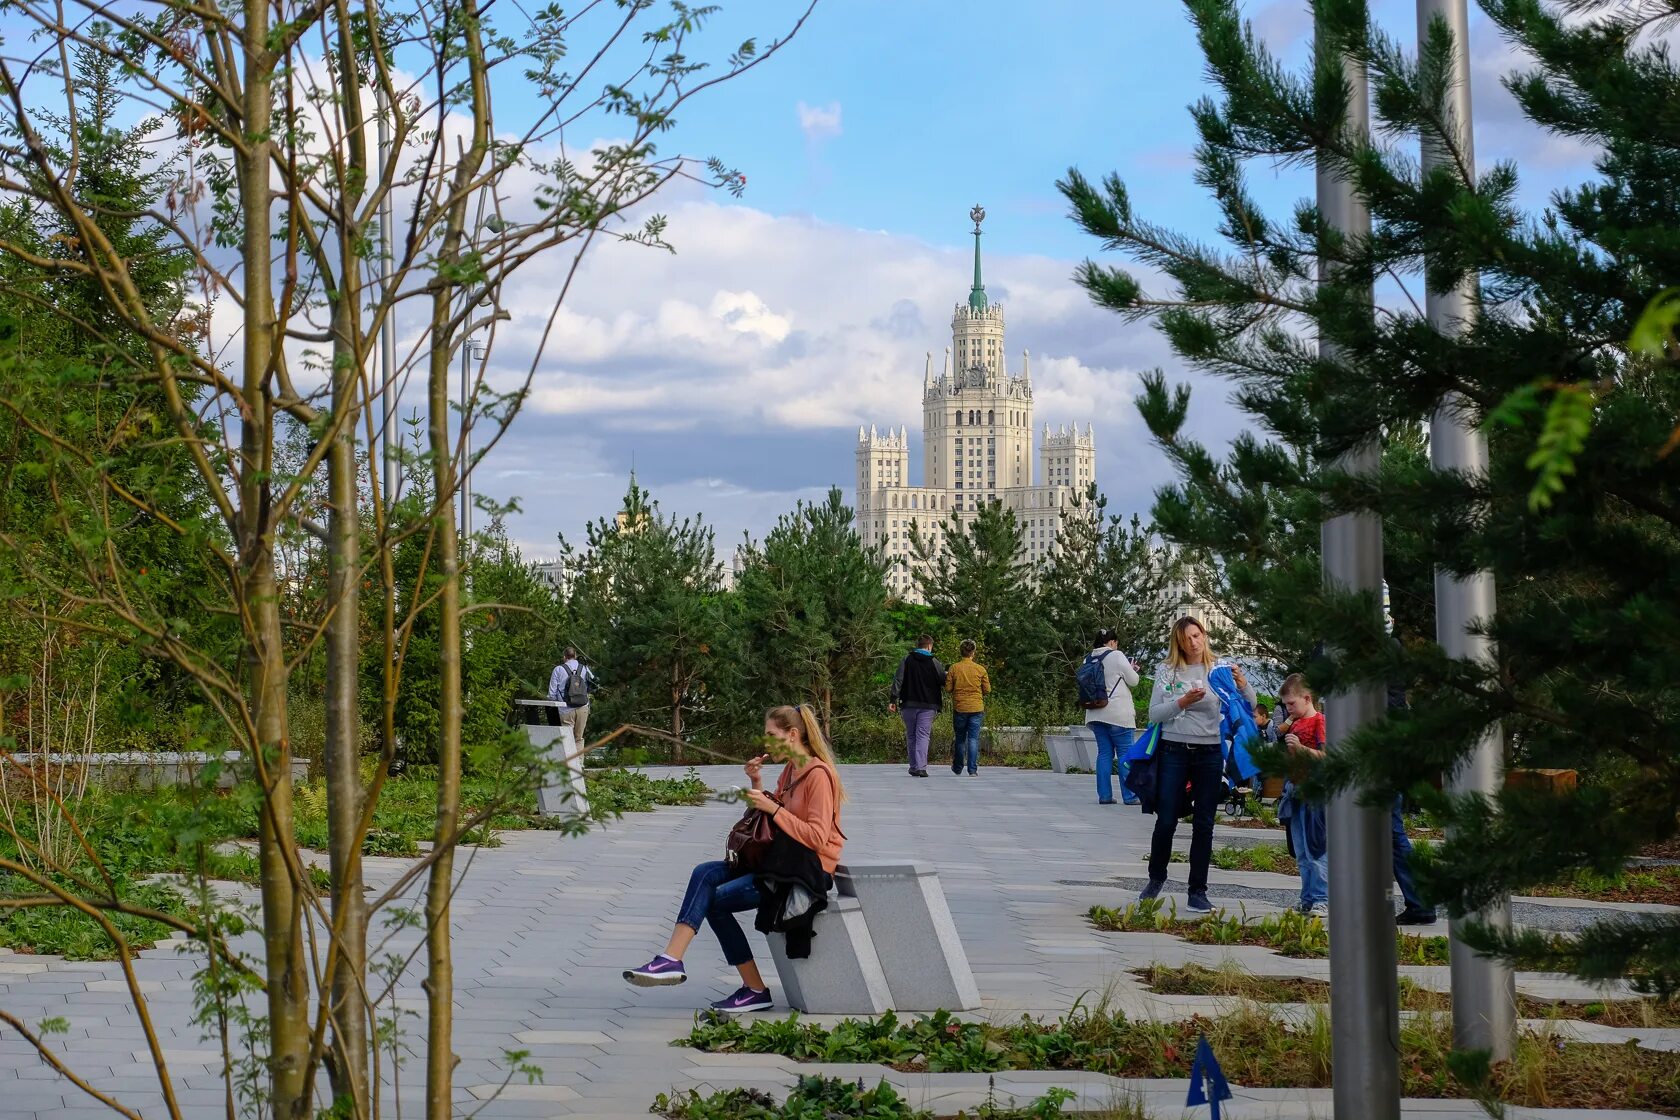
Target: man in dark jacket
{"x": 918, "y": 691}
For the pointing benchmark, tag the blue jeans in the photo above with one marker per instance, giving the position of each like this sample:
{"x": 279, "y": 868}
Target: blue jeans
{"x": 1403, "y": 862}
{"x": 716, "y": 893}
{"x": 965, "y": 744}
{"x": 1202, "y": 767}
{"x": 1113, "y": 741}
{"x": 1315, "y": 873}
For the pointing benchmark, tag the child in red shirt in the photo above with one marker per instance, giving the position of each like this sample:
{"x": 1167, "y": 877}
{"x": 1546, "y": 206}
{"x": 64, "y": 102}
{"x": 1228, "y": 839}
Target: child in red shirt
{"x": 1304, "y": 735}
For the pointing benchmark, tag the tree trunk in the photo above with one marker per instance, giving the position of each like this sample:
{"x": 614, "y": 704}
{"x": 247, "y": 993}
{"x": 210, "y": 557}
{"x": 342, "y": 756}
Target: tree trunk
{"x": 282, "y": 912}
{"x": 446, "y": 475}
{"x": 347, "y": 954}
{"x": 676, "y": 710}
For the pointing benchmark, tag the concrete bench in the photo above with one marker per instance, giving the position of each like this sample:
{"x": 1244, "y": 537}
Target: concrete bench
{"x": 842, "y": 976}
{"x": 915, "y": 938}
{"x": 1071, "y": 747}
{"x": 563, "y": 793}
{"x": 118, "y": 770}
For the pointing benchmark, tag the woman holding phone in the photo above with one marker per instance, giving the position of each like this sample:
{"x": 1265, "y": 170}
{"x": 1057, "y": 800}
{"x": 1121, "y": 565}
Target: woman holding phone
{"x": 1191, "y": 752}
{"x": 805, "y": 808}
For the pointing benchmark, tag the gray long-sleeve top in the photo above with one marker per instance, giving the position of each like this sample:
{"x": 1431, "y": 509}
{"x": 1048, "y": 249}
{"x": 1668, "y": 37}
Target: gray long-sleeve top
{"x": 1199, "y": 723}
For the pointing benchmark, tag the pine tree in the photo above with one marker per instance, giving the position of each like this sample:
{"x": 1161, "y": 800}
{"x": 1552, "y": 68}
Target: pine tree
{"x": 813, "y": 612}
{"x": 1104, "y": 572}
{"x": 1588, "y": 565}
{"x": 979, "y": 585}
{"x": 647, "y": 601}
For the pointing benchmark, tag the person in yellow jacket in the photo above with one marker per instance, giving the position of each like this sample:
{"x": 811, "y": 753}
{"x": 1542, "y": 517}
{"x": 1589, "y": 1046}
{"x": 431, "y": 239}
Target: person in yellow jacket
{"x": 968, "y": 685}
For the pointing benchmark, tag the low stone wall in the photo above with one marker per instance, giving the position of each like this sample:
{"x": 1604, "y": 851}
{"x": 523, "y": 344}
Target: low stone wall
{"x": 149, "y": 769}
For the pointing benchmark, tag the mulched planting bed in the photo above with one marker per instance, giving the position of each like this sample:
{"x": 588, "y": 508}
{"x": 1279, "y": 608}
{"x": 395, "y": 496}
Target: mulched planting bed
{"x": 1195, "y": 980}
{"x": 1289, "y": 933}
{"x": 1255, "y": 1047}
{"x": 1651, "y": 885}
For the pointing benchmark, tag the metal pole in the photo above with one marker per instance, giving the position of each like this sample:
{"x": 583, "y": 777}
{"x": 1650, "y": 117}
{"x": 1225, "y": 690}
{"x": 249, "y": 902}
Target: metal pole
{"x": 467, "y": 348}
{"x": 1483, "y": 990}
{"x": 1364, "y": 989}
{"x": 389, "y": 399}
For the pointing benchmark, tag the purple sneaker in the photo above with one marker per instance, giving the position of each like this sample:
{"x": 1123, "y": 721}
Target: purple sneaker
{"x": 745, "y": 999}
{"x": 660, "y": 972}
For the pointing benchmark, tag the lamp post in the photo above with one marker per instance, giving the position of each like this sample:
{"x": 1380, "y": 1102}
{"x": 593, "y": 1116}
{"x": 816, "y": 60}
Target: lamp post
{"x": 1483, "y": 990}
{"x": 1364, "y": 989}
{"x": 472, "y": 351}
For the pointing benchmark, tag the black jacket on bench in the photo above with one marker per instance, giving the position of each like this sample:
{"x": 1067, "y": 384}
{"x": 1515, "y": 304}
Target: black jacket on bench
{"x": 786, "y": 865}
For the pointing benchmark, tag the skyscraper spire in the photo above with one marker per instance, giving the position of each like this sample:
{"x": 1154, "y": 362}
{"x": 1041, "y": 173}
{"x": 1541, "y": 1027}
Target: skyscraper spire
{"x": 977, "y": 294}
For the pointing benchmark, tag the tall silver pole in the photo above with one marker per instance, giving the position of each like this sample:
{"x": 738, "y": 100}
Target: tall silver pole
{"x": 1364, "y": 988}
{"x": 1483, "y": 990}
{"x": 389, "y": 399}
{"x": 467, "y": 349}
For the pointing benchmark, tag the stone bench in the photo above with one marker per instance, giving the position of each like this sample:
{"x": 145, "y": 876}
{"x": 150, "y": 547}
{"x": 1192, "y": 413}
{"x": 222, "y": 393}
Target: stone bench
{"x": 563, "y": 792}
{"x": 1071, "y": 748}
{"x": 914, "y": 935}
{"x": 842, "y": 976}
{"x": 120, "y": 770}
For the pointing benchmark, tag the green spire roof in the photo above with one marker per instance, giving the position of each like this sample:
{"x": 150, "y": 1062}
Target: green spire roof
{"x": 977, "y": 294}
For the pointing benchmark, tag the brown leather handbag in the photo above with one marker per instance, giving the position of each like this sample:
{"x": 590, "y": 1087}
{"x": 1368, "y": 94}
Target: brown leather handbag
{"x": 749, "y": 840}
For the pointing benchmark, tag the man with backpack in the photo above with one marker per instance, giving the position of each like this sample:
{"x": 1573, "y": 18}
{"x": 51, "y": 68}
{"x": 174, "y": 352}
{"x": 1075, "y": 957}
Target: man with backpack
{"x": 918, "y": 692}
{"x": 570, "y": 684}
{"x": 1106, "y": 678}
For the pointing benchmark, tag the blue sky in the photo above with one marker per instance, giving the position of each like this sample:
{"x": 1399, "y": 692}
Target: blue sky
{"x": 734, "y": 374}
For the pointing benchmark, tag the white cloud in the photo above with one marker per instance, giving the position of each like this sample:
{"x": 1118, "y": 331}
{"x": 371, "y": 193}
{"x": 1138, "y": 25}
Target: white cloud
{"x": 819, "y": 122}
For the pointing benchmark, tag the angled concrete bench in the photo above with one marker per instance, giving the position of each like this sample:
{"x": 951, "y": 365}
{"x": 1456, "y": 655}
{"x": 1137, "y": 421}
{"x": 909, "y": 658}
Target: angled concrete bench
{"x": 1071, "y": 747}
{"x": 563, "y": 793}
{"x": 915, "y": 937}
{"x": 842, "y": 976}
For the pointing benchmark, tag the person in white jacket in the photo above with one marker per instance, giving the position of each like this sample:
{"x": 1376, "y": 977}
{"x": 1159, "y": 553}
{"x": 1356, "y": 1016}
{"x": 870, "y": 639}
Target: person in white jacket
{"x": 1191, "y": 752}
{"x": 1114, "y": 724}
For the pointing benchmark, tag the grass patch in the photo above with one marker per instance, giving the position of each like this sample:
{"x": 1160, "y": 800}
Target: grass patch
{"x": 1659, "y": 885}
{"x": 1274, "y": 858}
{"x": 190, "y": 831}
{"x": 830, "y": 1098}
{"x": 1289, "y": 933}
{"x": 1255, "y": 1047}
{"x": 1196, "y": 980}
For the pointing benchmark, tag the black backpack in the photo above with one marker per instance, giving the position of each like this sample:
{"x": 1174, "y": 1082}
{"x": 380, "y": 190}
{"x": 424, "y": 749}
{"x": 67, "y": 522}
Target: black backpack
{"x": 576, "y": 692}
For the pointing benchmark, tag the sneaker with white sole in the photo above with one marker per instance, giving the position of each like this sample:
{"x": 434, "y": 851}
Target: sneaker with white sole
{"x": 1152, "y": 890}
{"x": 1198, "y": 903}
{"x": 1320, "y": 910}
{"x": 745, "y": 999}
{"x": 660, "y": 972}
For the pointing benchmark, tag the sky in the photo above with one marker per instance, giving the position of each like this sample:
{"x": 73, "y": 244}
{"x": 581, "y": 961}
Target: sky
{"x": 732, "y": 375}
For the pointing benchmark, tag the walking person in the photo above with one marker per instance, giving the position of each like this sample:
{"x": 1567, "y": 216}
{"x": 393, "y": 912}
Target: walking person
{"x": 1191, "y": 751}
{"x": 570, "y": 684}
{"x": 805, "y": 810}
{"x": 968, "y": 685}
{"x": 918, "y": 690}
{"x": 1106, "y": 679}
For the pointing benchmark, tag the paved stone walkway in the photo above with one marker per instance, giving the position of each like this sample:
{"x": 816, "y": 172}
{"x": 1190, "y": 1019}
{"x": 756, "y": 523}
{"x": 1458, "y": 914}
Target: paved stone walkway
{"x": 544, "y": 925}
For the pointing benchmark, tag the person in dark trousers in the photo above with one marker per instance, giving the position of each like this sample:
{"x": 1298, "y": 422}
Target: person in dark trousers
{"x": 1191, "y": 752}
{"x": 1417, "y": 912}
{"x": 918, "y": 691}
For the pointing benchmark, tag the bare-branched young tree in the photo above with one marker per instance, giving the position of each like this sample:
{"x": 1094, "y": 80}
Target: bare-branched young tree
{"x": 324, "y": 170}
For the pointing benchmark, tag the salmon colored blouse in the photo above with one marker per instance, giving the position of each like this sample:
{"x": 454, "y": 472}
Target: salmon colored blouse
{"x": 810, "y": 811}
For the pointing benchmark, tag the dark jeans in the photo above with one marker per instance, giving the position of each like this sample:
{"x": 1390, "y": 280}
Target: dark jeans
{"x": 1200, "y": 766}
{"x": 1403, "y": 861}
{"x": 965, "y": 741}
{"x": 716, "y": 893}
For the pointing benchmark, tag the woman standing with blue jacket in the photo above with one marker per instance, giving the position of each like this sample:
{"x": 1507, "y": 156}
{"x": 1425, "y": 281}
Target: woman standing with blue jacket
{"x": 1191, "y": 752}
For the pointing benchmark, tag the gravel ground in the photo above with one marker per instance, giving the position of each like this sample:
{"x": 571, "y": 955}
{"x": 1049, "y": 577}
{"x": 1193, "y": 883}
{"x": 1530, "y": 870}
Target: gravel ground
{"x": 1563, "y": 919}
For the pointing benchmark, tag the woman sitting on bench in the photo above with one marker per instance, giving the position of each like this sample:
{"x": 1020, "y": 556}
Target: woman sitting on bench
{"x": 806, "y": 809}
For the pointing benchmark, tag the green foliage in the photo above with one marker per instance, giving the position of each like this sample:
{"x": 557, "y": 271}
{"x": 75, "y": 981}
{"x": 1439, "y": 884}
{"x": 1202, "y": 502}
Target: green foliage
{"x": 812, "y": 608}
{"x": 812, "y": 1098}
{"x": 1288, "y": 933}
{"x": 1255, "y": 1045}
{"x": 646, "y": 609}
{"x": 1578, "y": 515}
